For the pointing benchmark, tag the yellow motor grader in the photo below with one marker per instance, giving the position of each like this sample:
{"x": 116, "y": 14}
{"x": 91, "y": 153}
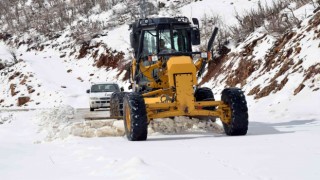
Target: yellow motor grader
{"x": 164, "y": 83}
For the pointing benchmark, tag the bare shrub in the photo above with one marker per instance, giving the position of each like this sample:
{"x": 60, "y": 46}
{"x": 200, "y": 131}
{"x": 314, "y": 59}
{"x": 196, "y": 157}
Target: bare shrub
{"x": 2, "y": 65}
{"x": 85, "y": 31}
{"x": 14, "y": 56}
{"x": 272, "y": 18}
{"x": 208, "y": 23}
{"x": 47, "y": 17}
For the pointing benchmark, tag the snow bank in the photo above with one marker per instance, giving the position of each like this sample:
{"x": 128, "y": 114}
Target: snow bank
{"x": 5, "y": 118}
{"x": 180, "y": 125}
{"x": 61, "y": 122}
{"x": 55, "y": 122}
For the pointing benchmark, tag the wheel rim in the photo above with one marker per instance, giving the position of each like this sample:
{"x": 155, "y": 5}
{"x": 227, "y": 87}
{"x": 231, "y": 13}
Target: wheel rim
{"x": 128, "y": 118}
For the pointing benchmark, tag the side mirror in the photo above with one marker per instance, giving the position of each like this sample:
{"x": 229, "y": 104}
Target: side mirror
{"x": 195, "y": 22}
{"x": 88, "y": 91}
{"x": 195, "y": 36}
{"x": 121, "y": 89}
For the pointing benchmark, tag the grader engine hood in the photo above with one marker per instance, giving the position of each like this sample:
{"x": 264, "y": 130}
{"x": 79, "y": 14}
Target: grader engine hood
{"x": 181, "y": 65}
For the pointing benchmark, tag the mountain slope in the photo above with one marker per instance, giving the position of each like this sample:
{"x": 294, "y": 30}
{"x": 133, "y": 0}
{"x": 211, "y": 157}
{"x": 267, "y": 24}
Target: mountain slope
{"x": 261, "y": 65}
{"x": 264, "y": 64}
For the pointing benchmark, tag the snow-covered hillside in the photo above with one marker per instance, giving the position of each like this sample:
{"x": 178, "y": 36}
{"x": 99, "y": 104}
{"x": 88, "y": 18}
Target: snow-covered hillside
{"x": 279, "y": 73}
{"x": 59, "y": 69}
{"x": 284, "y": 71}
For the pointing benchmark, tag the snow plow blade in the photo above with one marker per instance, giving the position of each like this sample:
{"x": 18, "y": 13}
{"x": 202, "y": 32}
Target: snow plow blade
{"x": 88, "y": 118}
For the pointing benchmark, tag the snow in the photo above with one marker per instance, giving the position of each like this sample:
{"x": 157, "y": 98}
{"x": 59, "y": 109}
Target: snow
{"x": 54, "y": 142}
{"x": 5, "y": 55}
{"x": 279, "y": 145}
{"x": 48, "y": 67}
{"x": 118, "y": 38}
{"x": 225, "y": 9}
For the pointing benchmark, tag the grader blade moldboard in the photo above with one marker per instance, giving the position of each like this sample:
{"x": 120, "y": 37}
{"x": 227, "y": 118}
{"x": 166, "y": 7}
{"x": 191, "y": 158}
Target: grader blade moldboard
{"x": 94, "y": 118}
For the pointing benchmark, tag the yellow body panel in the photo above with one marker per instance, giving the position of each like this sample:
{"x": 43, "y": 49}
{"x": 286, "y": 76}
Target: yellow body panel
{"x": 156, "y": 109}
{"x": 174, "y": 94}
{"x": 184, "y": 91}
{"x": 199, "y": 63}
{"x": 181, "y": 65}
{"x": 134, "y": 63}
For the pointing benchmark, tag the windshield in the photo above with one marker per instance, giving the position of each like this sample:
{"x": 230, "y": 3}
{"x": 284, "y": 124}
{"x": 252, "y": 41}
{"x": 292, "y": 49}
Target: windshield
{"x": 104, "y": 88}
{"x": 180, "y": 40}
{"x": 166, "y": 41}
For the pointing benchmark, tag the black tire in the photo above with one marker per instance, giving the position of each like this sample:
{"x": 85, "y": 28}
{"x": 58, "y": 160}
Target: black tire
{"x": 116, "y": 104}
{"x": 91, "y": 109}
{"x": 236, "y": 100}
{"x": 135, "y": 117}
{"x": 205, "y": 94}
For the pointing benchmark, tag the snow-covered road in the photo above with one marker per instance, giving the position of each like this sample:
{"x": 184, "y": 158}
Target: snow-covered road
{"x": 286, "y": 149}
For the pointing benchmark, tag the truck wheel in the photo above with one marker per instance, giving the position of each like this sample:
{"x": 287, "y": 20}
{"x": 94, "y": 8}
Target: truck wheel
{"x": 135, "y": 117}
{"x": 91, "y": 109}
{"x": 116, "y": 104}
{"x": 205, "y": 94}
{"x": 236, "y": 100}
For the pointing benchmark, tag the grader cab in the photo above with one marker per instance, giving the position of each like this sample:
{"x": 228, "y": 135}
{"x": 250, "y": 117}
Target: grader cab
{"x": 164, "y": 82}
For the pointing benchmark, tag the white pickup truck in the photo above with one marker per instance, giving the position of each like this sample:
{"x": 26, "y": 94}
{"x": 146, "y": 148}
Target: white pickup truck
{"x": 99, "y": 94}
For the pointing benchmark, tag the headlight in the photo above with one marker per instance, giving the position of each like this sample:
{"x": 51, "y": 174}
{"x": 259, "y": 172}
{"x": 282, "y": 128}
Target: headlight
{"x": 204, "y": 55}
{"x": 94, "y": 98}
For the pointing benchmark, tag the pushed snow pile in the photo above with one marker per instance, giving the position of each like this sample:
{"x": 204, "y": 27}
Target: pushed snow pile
{"x": 56, "y": 122}
{"x": 99, "y": 128}
{"x": 182, "y": 124}
{"x": 60, "y": 122}
{"x": 178, "y": 125}
{"x": 5, "y": 118}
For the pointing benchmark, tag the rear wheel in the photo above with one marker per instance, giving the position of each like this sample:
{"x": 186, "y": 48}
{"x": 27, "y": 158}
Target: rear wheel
{"x": 236, "y": 100}
{"x": 116, "y": 104}
{"x": 135, "y": 117}
{"x": 205, "y": 94}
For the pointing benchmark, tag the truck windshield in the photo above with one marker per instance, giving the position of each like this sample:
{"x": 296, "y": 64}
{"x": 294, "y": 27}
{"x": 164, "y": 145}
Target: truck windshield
{"x": 104, "y": 88}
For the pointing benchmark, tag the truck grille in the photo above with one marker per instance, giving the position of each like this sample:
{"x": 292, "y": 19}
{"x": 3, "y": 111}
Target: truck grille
{"x": 105, "y": 98}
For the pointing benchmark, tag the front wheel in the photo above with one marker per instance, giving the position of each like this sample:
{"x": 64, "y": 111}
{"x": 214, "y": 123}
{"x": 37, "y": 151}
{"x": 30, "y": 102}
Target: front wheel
{"x": 236, "y": 100}
{"x": 205, "y": 94}
{"x": 135, "y": 117}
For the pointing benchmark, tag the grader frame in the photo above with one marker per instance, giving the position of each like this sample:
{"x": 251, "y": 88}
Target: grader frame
{"x": 165, "y": 84}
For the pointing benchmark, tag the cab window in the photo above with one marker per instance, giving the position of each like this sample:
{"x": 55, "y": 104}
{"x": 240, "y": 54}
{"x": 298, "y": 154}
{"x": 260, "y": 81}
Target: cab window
{"x": 180, "y": 40}
{"x": 149, "y": 43}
